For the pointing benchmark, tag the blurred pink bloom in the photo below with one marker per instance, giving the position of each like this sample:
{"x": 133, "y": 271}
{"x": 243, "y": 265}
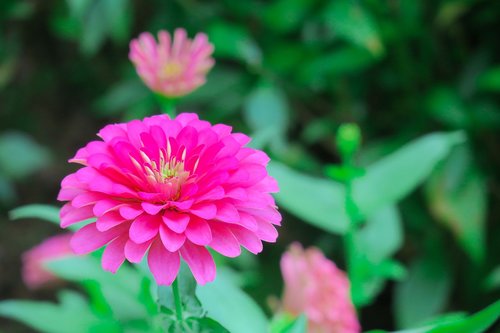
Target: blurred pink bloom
{"x": 172, "y": 67}
{"x": 316, "y": 287}
{"x": 175, "y": 187}
{"x": 35, "y": 274}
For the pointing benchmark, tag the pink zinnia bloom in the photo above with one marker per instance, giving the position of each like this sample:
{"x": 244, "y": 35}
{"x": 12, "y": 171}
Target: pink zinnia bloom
{"x": 175, "y": 66}
{"x": 175, "y": 187}
{"x": 316, "y": 287}
{"x": 35, "y": 275}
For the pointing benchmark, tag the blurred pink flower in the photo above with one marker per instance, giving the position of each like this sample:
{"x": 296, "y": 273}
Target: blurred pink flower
{"x": 316, "y": 287}
{"x": 175, "y": 187}
{"x": 35, "y": 275}
{"x": 175, "y": 66}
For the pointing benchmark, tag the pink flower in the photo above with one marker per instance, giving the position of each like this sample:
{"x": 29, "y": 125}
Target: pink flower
{"x": 175, "y": 187}
{"x": 175, "y": 67}
{"x": 316, "y": 287}
{"x": 34, "y": 273}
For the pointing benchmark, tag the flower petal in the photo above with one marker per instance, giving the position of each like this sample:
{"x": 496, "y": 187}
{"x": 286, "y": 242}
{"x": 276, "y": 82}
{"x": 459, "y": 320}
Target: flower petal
{"x": 204, "y": 210}
{"x": 88, "y": 238}
{"x": 247, "y": 238}
{"x": 113, "y": 256}
{"x": 198, "y": 231}
{"x": 171, "y": 240}
{"x": 135, "y": 252}
{"x": 152, "y": 209}
{"x": 223, "y": 241}
{"x": 199, "y": 261}
{"x": 163, "y": 264}
{"x": 144, "y": 228}
{"x": 175, "y": 221}
{"x": 71, "y": 215}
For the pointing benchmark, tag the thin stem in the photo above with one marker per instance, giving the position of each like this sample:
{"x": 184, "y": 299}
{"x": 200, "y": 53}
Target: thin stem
{"x": 350, "y": 236}
{"x": 177, "y": 300}
{"x": 167, "y": 105}
{"x": 351, "y": 209}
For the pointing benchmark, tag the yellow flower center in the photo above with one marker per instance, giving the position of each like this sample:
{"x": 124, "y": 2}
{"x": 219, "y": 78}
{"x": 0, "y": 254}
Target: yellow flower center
{"x": 172, "y": 70}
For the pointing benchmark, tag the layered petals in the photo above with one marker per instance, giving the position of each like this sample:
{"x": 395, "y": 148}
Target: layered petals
{"x": 174, "y": 66}
{"x": 169, "y": 189}
{"x": 34, "y": 274}
{"x": 316, "y": 287}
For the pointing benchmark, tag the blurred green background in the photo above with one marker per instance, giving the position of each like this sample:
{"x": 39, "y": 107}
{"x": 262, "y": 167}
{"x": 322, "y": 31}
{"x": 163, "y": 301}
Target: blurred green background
{"x": 288, "y": 72}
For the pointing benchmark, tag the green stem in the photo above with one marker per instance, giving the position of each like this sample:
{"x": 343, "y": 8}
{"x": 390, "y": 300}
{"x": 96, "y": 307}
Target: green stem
{"x": 167, "y": 105}
{"x": 349, "y": 237}
{"x": 177, "y": 300}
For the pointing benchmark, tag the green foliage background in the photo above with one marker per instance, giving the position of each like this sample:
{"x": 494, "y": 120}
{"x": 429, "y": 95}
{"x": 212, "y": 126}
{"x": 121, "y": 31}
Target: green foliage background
{"x": 288, "y": 72}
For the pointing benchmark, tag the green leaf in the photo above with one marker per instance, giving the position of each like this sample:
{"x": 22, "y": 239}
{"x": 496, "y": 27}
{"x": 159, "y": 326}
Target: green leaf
{"x": 376, "y": 241}
{"x": 458, "y": 323}
{"x": 286, "y": 15}
{"x": 425, "y": 293}
{"x": 205, "y": 325}
{"x": 7, "y": 191}
{"x": 299, "y": 325}
{"x": 266, "y": 111}
{"x": 352, "y": 22}
{"x": 122, "y": 95}
{"x": 79, "y": 8}
{"x": 230, "y": 306}
{"x": 477, "y": 323}
{"x": 343, "y": 60}
{"x": 14, "y": 165}
{"x": 493, "y": 280}
{"x": 324, "y": 209}
{"x": 44, "y": 212}
{"x": 121, "y": 290}
{"x": 402, "y": 171}
{"x": 458, "y": 198}
{"x": 286, "y": 323}
{"x": 119, "y": 17}
{"x": 490, "y": 80}
{"x": 71, "y": 315}
{"x": 234, "y": 41}
{"x": 95, "y": 28}
{"x": 382, "y": 235}
{"x": 445, "y": 105}
{"x": 38, "y": 211}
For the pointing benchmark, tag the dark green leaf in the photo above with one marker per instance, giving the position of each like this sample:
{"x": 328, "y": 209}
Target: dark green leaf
{"x": 234, "y": 41}
{"x": 425, "y": 293}
{"x": 445, "y": 105}
{"x": 19, "y": 166}
{"x": 458, "y": 198}
{"x": 286, "y": 15}
{"x": 353, "y": 23}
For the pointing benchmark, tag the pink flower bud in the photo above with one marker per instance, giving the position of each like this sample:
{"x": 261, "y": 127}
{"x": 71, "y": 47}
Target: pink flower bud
{"x": 316, "y": 287}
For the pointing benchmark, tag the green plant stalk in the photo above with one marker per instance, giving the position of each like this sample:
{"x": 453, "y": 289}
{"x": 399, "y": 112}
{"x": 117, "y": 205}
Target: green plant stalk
{"x": 167, "y": 105}
{"x": 177, "y": 300}
{"x": 349, "y": 237}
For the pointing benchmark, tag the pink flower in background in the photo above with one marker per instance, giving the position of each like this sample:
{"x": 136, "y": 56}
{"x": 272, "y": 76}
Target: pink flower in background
{"x": 175, "y": 187}
{"x": 35, "y": 275}
{"x": 316, "y": 287}
{"x": 172, "y": 67}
